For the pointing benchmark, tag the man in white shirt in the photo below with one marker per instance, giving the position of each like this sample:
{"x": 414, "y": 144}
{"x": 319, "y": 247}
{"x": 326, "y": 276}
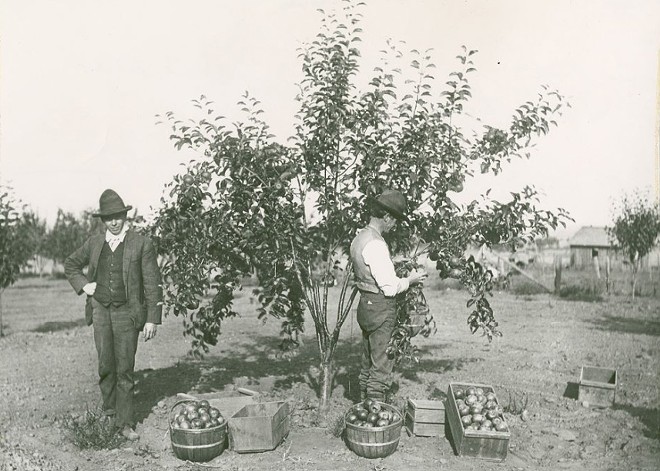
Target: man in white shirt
{"x": 378, "y": 284}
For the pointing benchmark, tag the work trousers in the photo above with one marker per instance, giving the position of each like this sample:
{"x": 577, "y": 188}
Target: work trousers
{"x": 116, "y": 339}
{"x": 376, "y": 316}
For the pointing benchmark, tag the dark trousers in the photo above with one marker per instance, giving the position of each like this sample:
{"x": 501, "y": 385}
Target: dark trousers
{"x": 376, "y": 316}
{"x": 116, "y": 341}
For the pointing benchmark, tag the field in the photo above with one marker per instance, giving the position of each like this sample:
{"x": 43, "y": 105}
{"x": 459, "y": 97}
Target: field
{"x": 48, "y": 371}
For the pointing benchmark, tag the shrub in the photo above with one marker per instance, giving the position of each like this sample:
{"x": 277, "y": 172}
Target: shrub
{"x": 525, "y": 288}
{"x": 588, "y": 293}
{"x": 93, "y": 430}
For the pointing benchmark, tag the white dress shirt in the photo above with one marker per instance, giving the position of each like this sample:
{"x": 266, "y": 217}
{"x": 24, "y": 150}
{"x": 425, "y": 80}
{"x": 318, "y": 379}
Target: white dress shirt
{"x": 376, "y": 256}
{"x": 114, "y": 240}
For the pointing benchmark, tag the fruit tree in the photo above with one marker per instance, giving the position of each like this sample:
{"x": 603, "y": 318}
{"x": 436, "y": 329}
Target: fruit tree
{"x": 15, "y": 248}
{"x": 635, "y": 229}
{"x": 249, "y": 205}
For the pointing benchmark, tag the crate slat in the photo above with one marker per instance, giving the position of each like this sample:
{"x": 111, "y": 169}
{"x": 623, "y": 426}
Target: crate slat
{"x": 426, "y": 411}
{"x": 424, "y": 429}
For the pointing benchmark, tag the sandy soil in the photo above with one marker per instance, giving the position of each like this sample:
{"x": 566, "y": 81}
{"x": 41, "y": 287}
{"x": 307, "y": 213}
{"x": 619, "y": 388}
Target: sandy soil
{"x": 48, "y": 369}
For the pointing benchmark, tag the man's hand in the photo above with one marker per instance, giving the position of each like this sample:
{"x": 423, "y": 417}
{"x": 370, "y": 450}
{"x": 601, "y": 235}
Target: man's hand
{"x": 90, "y": 288}
{"x": 417, "y": 277}
{"x": 149, "y": 331}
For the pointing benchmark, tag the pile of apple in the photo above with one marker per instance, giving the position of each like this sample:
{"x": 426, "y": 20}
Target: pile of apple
{"x": 479, "y": 410}
{"x": 370, "y": 413}
{"x": 197, "y": 415}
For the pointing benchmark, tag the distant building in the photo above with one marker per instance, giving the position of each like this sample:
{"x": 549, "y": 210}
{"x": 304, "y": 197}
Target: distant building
{"x": 590, "y": 242}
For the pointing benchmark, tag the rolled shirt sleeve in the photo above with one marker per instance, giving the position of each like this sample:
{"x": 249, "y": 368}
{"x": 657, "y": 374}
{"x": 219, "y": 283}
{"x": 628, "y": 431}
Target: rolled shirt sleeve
{"x": 376, "y": 256}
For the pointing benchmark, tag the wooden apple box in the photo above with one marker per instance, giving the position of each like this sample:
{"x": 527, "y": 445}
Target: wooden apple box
{"x": 259, "y": 427}
{"x": 485, "y": 445}
{"x": 425, "y": 418}
{"x": 597, "y": 386}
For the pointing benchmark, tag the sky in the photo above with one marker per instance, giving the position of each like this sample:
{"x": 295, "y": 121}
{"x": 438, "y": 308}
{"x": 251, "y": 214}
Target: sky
{"x": 81, "y": 82}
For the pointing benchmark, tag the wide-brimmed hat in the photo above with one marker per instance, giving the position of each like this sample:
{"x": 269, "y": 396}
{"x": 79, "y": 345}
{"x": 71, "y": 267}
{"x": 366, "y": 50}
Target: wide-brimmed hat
{"x": 393, "y": 202}
{"x": 111, "y": 203}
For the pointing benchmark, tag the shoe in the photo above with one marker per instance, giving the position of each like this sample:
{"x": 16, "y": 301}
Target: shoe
{"x": 128, "y": 433}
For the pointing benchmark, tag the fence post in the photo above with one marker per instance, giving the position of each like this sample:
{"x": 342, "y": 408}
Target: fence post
{"x": 557, "y": 274}
{"x": 607, "y": 274}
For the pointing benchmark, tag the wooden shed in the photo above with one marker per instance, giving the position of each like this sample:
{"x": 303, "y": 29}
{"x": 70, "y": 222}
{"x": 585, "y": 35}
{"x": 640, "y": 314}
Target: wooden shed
{"x": 590, "y": 243}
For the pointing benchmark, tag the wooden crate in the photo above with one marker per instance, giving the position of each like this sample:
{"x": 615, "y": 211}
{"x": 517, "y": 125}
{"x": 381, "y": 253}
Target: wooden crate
{"x": 492, "y": 446}
{"x": 425, "y": 418}
{"x": 259, "y": 427}
{"x": 597, "y": 386}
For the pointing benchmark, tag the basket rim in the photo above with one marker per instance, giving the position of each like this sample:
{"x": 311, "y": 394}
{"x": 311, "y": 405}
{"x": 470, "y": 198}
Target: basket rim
{"x": 170, "y": 416}
{"x": 199, "y": 430}
{"x": 375, "y": 429}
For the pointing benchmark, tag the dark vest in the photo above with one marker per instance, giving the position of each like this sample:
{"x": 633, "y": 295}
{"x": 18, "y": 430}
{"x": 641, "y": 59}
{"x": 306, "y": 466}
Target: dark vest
{"x": 110, "y": 287}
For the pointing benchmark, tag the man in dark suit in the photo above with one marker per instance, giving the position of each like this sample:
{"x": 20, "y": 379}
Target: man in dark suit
{"x": 124, "y": 297}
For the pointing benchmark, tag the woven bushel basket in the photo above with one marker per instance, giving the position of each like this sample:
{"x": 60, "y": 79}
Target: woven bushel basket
{"x": 198, "y": 445}
{"x": 374, "y": 442}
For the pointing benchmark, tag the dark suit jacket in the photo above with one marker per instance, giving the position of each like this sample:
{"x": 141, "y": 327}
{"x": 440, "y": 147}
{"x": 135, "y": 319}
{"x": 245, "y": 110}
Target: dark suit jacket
{"x": 141, "y": 275}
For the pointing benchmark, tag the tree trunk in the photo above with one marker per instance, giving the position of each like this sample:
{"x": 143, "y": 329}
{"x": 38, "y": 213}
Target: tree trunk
{"x": 326, "y": 379}
{"x": 608, "y": 274}
{"x": 2, "y": 333}
{"x": 635, "y": 268}
{"x": 557, "y": 274}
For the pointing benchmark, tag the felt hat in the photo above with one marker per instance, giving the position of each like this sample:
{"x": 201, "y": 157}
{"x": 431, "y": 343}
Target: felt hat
{"x": 393, "y": 202}
{"x": 111, "y": 203}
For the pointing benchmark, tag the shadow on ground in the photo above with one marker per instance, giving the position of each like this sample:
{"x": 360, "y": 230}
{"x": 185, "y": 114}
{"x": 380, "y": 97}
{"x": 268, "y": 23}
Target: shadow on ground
{"x": 571, "y": 391}
{"x": 626, "y": 325}
{"x": 59, "y": 325}
{"x": 258, "y": 361}
{"x": 649, "y": 417}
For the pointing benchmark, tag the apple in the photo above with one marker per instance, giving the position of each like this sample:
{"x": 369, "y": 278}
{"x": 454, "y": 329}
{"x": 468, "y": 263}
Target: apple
{"x": 375, "y": 407}
{"x": 471, "y": 399}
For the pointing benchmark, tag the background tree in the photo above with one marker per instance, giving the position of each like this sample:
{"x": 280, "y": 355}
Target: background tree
{"x": 33, "y": 230}
{"x": 249, "y": 204}
{"x": 68, "y": 233}
{"x": 14, "y": 248}
{"x": 635, "y": 229}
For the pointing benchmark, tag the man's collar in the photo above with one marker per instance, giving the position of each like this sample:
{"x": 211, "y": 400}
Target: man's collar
{"x": 375, "y": 229}
{"x": 120, "y": 237}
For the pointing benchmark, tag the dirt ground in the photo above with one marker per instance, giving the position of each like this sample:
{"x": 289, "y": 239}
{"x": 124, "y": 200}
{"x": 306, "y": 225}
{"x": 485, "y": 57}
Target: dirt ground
{"x": 48, "y": 369}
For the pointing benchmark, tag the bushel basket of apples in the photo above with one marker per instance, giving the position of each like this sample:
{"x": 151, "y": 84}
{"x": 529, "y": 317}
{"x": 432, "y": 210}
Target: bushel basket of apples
{"x": 198, "y": 431}
{"x": 373, "y": 428}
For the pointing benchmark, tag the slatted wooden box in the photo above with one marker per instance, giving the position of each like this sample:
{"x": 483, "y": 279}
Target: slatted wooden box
{"x": 259, "y": 427}
{"x": 485, "y": 445}
{"x": 425, "y": 418}
{"x": 597, "y": 386}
